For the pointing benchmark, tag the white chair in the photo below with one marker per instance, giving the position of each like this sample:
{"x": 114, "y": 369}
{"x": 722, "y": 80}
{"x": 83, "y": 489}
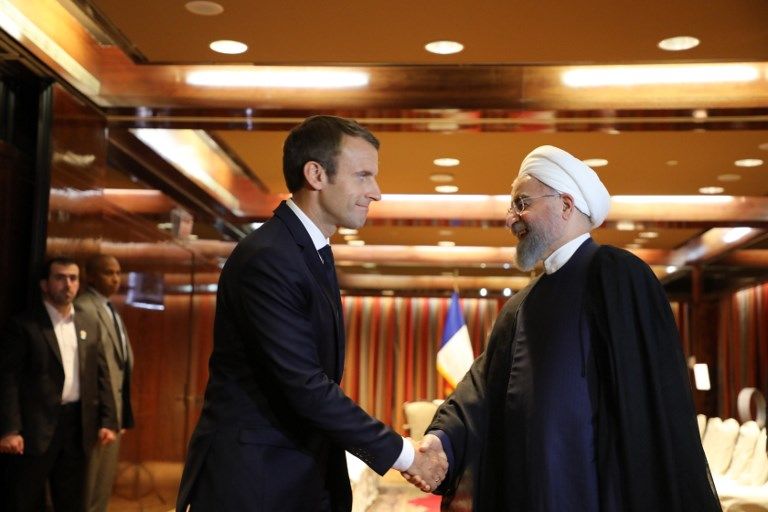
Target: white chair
{"x": 719, "y": 442}
{"x": 419, "y": 415}
{"x": 744, "y": 449}
{"x": 702, "y": 421}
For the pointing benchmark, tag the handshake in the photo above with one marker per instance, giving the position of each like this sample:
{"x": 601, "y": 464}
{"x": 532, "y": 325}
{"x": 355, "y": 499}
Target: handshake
{"x": 430, "y": 465}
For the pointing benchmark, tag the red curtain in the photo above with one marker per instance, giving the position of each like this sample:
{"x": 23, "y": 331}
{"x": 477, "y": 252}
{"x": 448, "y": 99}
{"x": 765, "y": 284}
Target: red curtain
{"x": 392, "y": 345}
{"x": 742, "y": 346}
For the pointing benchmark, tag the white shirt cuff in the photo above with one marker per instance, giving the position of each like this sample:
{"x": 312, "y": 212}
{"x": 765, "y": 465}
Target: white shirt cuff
{"x": 405, "y": 460}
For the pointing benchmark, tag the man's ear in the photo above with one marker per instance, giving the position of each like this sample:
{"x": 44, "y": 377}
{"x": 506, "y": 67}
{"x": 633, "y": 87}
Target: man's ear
{"x": 314, "y": 175}
{"x": 568, "y": 205}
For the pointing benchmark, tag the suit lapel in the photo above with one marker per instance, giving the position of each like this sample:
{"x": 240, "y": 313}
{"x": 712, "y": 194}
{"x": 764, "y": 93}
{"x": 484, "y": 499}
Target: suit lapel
{"x": 46, "y": 329}
{"x": 312, "y": 259}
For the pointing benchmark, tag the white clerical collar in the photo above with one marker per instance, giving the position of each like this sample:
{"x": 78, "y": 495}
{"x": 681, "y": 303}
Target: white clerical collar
{"x": 562, "y": 254}
{"x": 57, "y": 317}
{"x": 318, "y": 239}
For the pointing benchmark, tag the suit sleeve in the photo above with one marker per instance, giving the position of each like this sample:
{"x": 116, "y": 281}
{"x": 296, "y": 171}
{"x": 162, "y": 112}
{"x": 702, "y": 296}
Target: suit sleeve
{"x": 12, "y": 354}
{"x": 107, "y": 408}
{"x": 275, "y": 296}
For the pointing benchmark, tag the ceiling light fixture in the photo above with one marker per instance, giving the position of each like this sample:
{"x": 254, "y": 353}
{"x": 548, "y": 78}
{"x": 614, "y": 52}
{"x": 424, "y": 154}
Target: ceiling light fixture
{"x": 228, "y": 46}
{"x": 625, "y": 225}
{"x": 347, "y": 231}
{"x": 483, "y": 292}
{"x": 204, "y": 8}
{"x": 648, "y": 234}
{"x": 729, "y": 177}
{"x": 356, "y": 243}
{"x": 735, "y": 234}
{"x": 507, "y": 292}
{"x": 441, "y": 177}
{"x": 297, "y": 78}
{"x": 446, "y": 243}
{"x": 678, "y": 43}
{"x": 444, "y": 47}
{"x": 447, "y": 189}
{"x": 596, "y": 162}
{"x": 446, "y": 162}
{"x": 623, "y": 76}
{"x": 748, "y": 162}
{"x": 711, "y": 190}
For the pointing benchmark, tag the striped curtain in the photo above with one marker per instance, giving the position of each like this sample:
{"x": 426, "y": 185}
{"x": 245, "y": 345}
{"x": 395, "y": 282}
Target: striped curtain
{"x": 742, "y": 346}
{"x": 392, "y": 345}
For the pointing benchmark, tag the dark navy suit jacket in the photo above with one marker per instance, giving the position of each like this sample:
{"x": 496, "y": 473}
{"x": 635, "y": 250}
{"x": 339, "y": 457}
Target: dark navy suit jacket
{"x": 275, "y": 422}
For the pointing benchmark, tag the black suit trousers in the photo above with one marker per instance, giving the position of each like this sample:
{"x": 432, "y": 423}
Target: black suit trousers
{"x": 62, "y": 465}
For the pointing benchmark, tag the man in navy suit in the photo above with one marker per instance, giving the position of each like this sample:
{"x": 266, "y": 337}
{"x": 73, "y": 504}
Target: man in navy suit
{"x": 275, "y": 422}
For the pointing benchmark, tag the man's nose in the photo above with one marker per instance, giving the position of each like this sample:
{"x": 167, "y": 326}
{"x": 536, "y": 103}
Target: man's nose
{"x": 375, "y": 193}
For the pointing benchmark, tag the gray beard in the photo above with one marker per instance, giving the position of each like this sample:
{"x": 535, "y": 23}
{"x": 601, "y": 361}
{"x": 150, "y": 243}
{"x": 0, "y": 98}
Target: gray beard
{"x": 531, "y": 249}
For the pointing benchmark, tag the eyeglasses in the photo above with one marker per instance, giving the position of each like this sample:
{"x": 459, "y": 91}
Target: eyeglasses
{"x": 520, "y": 204}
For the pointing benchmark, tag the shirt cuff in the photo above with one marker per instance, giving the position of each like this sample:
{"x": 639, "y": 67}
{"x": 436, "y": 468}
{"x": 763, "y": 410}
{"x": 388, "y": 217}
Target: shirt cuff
{"x": 405, "y": 460}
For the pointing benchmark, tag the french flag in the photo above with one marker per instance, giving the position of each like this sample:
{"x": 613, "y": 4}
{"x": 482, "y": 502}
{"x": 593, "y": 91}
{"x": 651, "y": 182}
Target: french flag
{"x": 455, "y": 354}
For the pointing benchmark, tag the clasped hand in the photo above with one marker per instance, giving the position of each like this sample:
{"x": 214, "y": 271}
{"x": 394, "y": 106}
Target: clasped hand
{"x": 430, "y": 464}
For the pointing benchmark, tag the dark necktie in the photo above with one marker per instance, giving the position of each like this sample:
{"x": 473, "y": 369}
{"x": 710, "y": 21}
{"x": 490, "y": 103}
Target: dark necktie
{"x": 329, "y": 266}
{"x": 117, "y": 330}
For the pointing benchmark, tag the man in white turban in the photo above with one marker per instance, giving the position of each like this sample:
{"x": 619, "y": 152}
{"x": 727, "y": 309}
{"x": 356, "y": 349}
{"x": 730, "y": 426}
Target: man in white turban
{"x": 581, "y": 400}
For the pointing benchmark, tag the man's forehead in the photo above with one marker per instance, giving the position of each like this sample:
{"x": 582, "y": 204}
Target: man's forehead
{"x": 65, "y": 269}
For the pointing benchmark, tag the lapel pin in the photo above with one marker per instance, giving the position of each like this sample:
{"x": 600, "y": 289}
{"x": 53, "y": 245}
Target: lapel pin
{"x": 82, "y": 334}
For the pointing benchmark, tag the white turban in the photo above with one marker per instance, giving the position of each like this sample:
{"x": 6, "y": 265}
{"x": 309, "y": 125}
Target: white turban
{"x": 566, "y": 173}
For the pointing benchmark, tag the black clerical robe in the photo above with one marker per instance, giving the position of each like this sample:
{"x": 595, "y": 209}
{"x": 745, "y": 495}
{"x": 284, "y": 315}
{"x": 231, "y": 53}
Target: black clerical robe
{"x": 648, "y": 452}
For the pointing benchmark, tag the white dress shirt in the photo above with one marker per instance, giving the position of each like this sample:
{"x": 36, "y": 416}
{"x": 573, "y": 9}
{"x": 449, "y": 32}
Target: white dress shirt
{"x": 66, "y": 336}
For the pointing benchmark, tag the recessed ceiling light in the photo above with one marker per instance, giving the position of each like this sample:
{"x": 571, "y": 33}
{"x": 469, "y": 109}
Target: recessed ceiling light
{"x": 672, "y": 163}
{"x": 350, "y": 237}
{"x": 446, "y": 162}
{"x": 347, "y": 231}
{"x": 507, "y": 266}
{"x": 446, "y": 243}
{"x": 748, "y": 162}
{"x": 711, "y": 190}
{"x": 446, "y": 189}
{"x": 441, "y": 177}
{"x": 729, "y": 177}
{"x": 357, "y": 243}
{"x": 229, "y": 47}
{"x": 678, "y": 43}
{"x": 445, "y": 232}
{"x": 625, "y": 225}
{"x": 596, "y": 162}
{"x": 700, "y": 113}
{"x": 444, "y": 47}
{"x": 483, "y": 265}
{"x": 369, "y": 265}
{"x": 204, "y": 8}
{"x": 763, "y": 146}
{"x": 483, "y": 292}
{"x": 648, "y": 234}
{"x": 507, "y": 292}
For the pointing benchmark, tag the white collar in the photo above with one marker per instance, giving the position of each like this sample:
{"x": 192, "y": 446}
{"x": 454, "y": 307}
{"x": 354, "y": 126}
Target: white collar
{"x": 562, "y": 254}
{"x": 57, "y": 317}
{"x": 318, "y": 239}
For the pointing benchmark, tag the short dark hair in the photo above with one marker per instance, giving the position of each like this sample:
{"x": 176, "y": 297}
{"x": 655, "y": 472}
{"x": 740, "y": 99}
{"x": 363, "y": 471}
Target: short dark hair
{"x": 45, "y": 271}
{"x": 318, "y": 139}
